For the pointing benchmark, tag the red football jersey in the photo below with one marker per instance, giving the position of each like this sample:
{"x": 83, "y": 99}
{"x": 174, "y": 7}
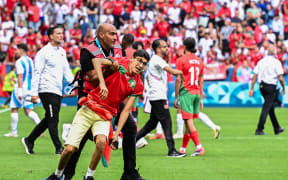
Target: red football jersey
{"x": 120, "y": 85}
{"x": 192, "y": 68}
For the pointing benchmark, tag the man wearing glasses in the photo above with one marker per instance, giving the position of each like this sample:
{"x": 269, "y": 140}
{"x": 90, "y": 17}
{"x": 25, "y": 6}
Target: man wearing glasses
{"x": 157, "y": 82}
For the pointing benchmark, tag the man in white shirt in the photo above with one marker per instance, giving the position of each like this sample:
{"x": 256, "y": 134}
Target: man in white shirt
{"x": 22, "y": 90}
{"x": 278, "y": 27}
{"x": 22, "y": 30}
{"x": 174, "y": 15}
{"x": 268, "y": 70}
{"x": 157, "y": 83}
{"x": 51, "y": 67}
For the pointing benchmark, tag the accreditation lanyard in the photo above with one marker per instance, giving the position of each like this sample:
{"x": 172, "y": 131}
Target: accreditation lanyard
{"x": 100, "y": 47}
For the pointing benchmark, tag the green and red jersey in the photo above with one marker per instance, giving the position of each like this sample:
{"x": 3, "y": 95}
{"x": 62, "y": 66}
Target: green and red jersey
{"x": 120, "y": 85}
{"x": 192, "y": 68}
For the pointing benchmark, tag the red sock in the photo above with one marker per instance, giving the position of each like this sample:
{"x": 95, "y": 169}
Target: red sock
{"x": 195, "y": 137}
{"x": 185, "y": 140}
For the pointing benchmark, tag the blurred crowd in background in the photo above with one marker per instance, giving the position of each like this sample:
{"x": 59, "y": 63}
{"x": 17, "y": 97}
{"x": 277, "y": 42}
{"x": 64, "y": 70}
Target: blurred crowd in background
{"x": 232, "y": 35}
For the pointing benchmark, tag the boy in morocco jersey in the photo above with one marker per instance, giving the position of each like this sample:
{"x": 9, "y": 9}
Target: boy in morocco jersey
{"x": 189, "y": 88}
{"x": 99, "y": 107}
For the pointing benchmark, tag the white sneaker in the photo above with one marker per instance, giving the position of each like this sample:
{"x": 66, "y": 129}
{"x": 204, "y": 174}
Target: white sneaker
{"x": 141, "y": 143}
{"x": 11, "y": 134}
{"x": 178, "y": 136}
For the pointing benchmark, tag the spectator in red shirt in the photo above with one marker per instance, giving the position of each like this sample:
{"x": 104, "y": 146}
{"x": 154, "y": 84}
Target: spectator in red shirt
{"x": 198, "y": 6}
{"x": 75, "y": 33}
{"x": 32, "y": 52}
{"x": 186, "y": 5}
{"x": 234, "y": 40}
{"x": 4, "y": 13}
{"x": 173, "y": 54}
{"x": 154, "y": 36}
{"x": 143, "y": 38}
{"x": 211, "y": 7}
{"x": 162, "y": 27}
{"x": 285, "y": 21}
{"x": 10, "y": 57}
{"x": 34, "y": 16}
{"x": 116, "y": 12}
{"x": 30, "y": 38}
{"x": 256, "y": 55}
{"x": 18, "y": 39}
{"x": 249, "y": 41}
{"x": 140, "y": 28}
{"x": 258, "y": 34}
{"x": 224, "y": 11}
{"x": 10, "y": 5}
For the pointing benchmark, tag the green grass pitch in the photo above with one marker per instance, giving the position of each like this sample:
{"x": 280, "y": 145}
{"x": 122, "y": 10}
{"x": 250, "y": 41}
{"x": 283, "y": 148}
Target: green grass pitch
{"x": 237, "y": 155}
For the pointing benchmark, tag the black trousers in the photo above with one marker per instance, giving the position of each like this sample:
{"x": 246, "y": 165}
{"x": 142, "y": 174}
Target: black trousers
{"x": 159, "y": 112}
{"x": 268, "y": 92}
{"x": 51, "y": 103}
{"x": 129, "y": 147}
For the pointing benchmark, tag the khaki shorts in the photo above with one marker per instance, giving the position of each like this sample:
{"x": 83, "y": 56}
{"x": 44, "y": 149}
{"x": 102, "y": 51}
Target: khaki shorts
{"x": 85, "y": 119}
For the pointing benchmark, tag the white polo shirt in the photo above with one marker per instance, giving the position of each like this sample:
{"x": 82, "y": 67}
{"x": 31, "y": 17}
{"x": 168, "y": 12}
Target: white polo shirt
{"x": 268, "y": 69}
{"x": 157, "y": 80}
{"x": 51, "y": 67}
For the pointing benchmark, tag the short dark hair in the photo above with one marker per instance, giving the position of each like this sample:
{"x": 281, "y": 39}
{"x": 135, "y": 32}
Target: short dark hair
{"x": 136, "y": 44}
{"x": 51, "y": 29}
{"x": 156, "y": 44}
{"x": 23, "y": 47}
{"x": 141, "y": 53}
{"x": 128, "y": 39}
{"x": 189, "y": 43}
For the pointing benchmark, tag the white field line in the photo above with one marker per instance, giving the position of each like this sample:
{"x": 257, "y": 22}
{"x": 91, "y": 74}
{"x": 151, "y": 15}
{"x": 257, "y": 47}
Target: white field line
{"x": 4, "y": 110}
{"x": 266, "y": 137}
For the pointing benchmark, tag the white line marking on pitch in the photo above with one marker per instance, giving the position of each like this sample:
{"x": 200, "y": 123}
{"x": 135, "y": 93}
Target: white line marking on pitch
{"x": 4, "y": 110}
{"x": 251, "y": 138}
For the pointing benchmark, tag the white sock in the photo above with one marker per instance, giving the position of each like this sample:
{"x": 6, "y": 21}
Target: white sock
{"x": 206, "y": 120}
{"x": 199, "y": 146}
{"x": 159, "y": 129}
{"x": 14, "y": 122}
{"x": 183, "y": 149}
{"x": 58, "y": 172}
{"x": 180, "y": 124}
{"x": 34, "y": 116}
{"x": 90, "y": 172}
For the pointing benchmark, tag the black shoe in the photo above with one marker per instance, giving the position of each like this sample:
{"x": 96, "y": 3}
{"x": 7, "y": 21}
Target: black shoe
{"x": 259, "y": 132}
{"x": 176, "y": 154}
{"x": 59, "y": 151}
{"x": 134, "y": 175}
{"x": 280, "y": 130}
{"x": 28, "y": 146}
{"x": 54, "y": 177}
{"x": 89, "y": 178}
{"x": 67, "y": 178}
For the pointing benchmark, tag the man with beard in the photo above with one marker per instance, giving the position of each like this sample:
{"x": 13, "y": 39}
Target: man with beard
{"x": 157, "y": 83}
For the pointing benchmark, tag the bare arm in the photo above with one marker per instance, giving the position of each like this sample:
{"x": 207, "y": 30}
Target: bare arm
{"x": 97, "y": 63}
{"x": 177, "y": 88}
{"x": 20, "y": 85}
{"x": 175, "y": 72}
{"x": 201, "y": 82}
{"x": 282, "y": 83}
{"x": 251, "y": 91}
{"x": 123, "y": 118}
